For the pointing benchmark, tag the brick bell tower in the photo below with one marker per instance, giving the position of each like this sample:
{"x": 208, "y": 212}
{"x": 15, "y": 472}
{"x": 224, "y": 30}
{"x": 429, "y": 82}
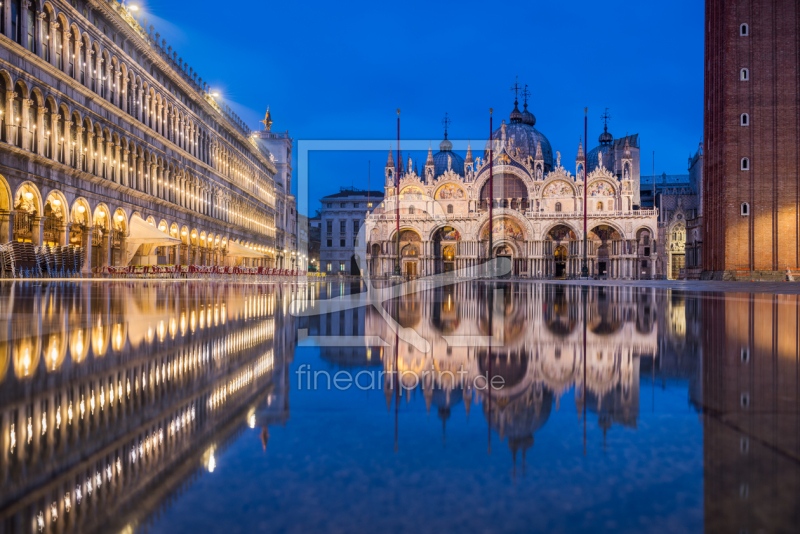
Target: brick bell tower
{"x": 751, "y": 170}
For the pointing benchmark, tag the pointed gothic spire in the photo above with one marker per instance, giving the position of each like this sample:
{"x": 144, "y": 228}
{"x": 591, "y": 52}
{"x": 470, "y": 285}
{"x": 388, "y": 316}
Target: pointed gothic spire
{"x": 429, "y": 161}
{"x": 627, "y": 153}
{"x": 581, "y": 156}
{"x": 539, "y": 151}
{"x": 469, "y": 153}
{"x": 390, "y": 162}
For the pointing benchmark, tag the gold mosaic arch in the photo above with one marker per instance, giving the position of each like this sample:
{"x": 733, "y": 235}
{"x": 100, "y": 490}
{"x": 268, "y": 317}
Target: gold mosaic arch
{"x": 450, "y": 191}
{"x": 504, "y": 228}
{"x": 558, "y": 188}
{"x": 412, "y": 192}
{"x": 600, "y": 188}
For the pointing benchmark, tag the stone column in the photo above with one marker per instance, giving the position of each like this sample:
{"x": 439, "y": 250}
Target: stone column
{"x": 117, "y": 87}
{"x": 139, "y": 103}
{"x": 86, "y": 243}
{"x": 123, "y": 95}
{"x": 169, "y": 186}
{"x": 54, "y": 51}
{"x": 107, "y": 248}
{"x": 153, "y": 179}
{"x": 37, "y": 34}
{"x": 76, "y": 61}
{"x": 6, "y": 226}
{"x": 10, "y": 119}
{"x": 25, "y": 124}
{"x": 41, "y": 131}
{"x": 125, "y": 171}
{"x": 136, "y": 169}
{"x": 88, "y": 152}
{"x": 56, "y": 139}
{"x": 78, "y": 148}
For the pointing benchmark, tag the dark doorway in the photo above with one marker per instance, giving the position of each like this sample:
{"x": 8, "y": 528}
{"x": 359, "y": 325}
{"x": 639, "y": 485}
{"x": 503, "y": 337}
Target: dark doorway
{"x": 561, "y": 261}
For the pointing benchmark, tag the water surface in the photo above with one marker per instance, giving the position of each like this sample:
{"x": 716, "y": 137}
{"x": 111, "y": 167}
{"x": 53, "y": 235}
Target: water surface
{"x": 194, "y": 407}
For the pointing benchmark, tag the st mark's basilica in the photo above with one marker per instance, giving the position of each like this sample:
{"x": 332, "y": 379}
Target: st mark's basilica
{"x": 537, "y": 206}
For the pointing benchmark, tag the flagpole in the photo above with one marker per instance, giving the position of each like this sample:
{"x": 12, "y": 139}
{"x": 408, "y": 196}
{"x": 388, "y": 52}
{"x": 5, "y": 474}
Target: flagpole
{"x": 397, "y": 195}
{"x": 491, "y": 187}
{"x": 585, "y": 268}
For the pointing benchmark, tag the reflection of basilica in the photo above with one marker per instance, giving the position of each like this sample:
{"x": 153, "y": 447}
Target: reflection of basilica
{"x": 126, "y": 390}
{"x": 536, "y": 347}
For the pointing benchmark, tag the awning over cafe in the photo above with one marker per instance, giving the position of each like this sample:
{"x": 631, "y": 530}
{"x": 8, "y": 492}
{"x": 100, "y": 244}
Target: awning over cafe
{"x": 144, "y": 233}
{"x": 235, "y": 249}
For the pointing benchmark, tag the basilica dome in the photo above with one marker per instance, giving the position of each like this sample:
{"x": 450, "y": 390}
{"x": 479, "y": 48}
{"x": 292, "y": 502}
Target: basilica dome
{"x": 440, "y": 159}
{"x": 525, "y": 137}
{"x": 593, "y": 160}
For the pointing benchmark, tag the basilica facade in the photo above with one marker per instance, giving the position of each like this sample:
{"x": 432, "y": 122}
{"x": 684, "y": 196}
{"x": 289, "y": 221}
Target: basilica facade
{"x": 537, "y": 210}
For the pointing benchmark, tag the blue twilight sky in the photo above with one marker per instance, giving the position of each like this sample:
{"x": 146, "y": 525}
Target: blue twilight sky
{"x": 339, "y": 70}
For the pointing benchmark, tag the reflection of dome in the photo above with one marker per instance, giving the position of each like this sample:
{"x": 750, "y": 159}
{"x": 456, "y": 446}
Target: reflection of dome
{"x": 409, "y": 312}
{"x": 512, "y": 367}
{"x": 523, "y": 416}
{"x": 441, "y": 157}
{"x": 525, "y": 137}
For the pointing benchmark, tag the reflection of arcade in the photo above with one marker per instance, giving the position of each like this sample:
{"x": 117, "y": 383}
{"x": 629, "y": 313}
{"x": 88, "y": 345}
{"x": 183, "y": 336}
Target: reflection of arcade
{"x": 114, "y": 386}
{"x": 538, "y": 351}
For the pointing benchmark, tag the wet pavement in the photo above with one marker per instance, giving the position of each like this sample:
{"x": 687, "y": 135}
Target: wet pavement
{"x": 163, "y": 406}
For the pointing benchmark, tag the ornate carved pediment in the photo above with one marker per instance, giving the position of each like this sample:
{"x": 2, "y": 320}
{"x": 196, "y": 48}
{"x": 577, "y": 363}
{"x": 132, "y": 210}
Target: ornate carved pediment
{"x": 559, "y": 173}
{"x": 601, "y": 172}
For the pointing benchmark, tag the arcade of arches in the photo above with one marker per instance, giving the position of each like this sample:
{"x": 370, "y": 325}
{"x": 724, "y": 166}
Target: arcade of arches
{"x": 88, "y": 145}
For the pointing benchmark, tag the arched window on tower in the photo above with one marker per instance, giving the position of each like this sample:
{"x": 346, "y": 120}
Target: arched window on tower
{"x": 744, "y": 30}
{"x": 744, "y": 209}
{"x": 745, "y": 119}
{"x": 744, "y": 75}
{"x": 745, "y": 164}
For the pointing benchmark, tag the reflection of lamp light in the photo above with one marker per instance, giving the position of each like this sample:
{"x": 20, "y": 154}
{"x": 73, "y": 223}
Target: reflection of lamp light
{"x": 29, "y": 196}
{"x": 81, "y": 209}
{"x": 55, "y": 202}
{"x": 120, "y": 217}
{"x": 162, "y": 227}
{"x": 183, "y": 233}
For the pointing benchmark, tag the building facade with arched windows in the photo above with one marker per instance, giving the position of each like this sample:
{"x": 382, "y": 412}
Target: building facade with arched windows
{"x": 101, "y": 121}
{"x": 537, "y": 207}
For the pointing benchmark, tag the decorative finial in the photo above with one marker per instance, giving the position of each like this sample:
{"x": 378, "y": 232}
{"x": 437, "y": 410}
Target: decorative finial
{"x": 605, "y": 117}
{"x": 446, "y": 123}
{"x": 515, "y": 88}
{"x": 525, "y": 95}
{"x": 398, "y": 112}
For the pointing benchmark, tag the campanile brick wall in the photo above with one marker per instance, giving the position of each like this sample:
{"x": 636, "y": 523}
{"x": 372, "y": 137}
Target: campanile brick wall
{"x": 767, "y": 239}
